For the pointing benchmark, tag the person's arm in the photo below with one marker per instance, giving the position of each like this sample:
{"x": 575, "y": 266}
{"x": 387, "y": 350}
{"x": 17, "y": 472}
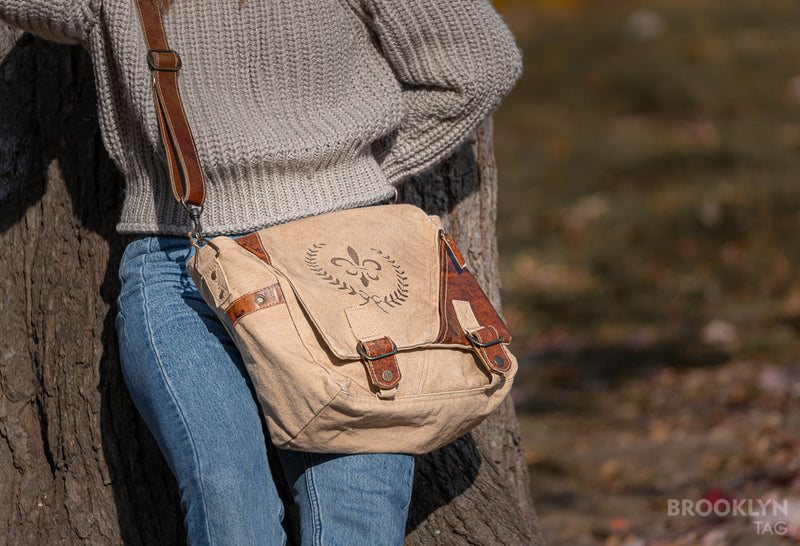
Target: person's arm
{"x": 456, "y": 59}
{"x": 65, "y": 21}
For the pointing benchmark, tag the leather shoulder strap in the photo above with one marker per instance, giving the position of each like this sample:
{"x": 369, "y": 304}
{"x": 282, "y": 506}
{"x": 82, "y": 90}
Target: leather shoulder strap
{"x": 185, "y": 171}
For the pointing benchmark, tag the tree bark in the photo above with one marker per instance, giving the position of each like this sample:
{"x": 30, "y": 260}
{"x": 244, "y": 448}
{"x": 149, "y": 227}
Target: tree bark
{"x": 77, "y": 463}
{"x": 474, "y": 491}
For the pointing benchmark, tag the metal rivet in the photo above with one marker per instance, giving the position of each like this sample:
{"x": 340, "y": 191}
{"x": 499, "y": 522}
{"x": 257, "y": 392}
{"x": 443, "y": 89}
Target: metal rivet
{"x": 261, "y": 299}
{"x": 387, "y": 375}
{"x": 498, "y": 360}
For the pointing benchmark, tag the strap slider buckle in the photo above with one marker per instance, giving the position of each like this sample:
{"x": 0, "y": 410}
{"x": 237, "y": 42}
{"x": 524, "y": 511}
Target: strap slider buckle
{"x": 164, "y": 60}
{"x": 483, "y": 344}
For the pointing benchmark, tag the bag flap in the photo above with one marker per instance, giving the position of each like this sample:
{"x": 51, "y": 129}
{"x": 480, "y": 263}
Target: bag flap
{"x": 363, "y": 274}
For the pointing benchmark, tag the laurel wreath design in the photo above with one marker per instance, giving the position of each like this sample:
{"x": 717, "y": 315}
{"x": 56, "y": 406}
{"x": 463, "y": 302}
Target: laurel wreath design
{"x": 397, "y": 297}
{"x": 394, "y": 299}
{"x": 312, "y": 262}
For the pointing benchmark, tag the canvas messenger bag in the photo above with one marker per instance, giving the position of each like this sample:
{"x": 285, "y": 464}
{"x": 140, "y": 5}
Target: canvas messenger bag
{"x": 362, "y": 330}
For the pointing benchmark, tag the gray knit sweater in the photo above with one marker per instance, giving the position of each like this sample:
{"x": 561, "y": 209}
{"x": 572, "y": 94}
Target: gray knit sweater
{"x": 299, "y": 107}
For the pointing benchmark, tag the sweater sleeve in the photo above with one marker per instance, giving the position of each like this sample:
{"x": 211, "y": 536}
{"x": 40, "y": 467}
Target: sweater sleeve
{"x": 456, "y": 59}
{"x": 65, "y": 21}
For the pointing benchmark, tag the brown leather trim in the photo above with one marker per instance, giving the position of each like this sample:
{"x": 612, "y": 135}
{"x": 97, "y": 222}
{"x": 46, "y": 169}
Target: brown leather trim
{"x": 494, "y": 357}
{"x": 451, "y": 245}
{"x": 152, "y": 24}
{"x": 443, "y": 317}
{"x": 190, "y": 184}
{"x": 384, "y": 372}
{"x": 457, "y": 283}
{"x": 166, "y": 140}
{"x": 186, "y": 173}
{"x": 254, "y": 301}
{"x": 252, "y": 242}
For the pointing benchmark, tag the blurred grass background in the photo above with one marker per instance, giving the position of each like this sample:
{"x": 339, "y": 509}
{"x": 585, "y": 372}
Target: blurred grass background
{"x": 648, "y": 212}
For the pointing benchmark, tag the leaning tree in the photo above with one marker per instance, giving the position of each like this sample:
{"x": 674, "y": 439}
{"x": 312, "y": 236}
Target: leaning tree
{"x": 77, "y": 463}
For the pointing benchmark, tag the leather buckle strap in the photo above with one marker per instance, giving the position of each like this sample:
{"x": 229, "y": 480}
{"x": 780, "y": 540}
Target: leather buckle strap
{"x": 475, "y": 340}
{"x": 379, "y": 358}
{"x": 362, "y": 350}
{"x": 378, "y": 353}
{"x": 486, "y": 341}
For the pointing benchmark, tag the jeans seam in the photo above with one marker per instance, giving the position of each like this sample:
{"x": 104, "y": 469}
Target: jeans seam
{"x": 410, "y": 480}
{"x": 170, "y": 389}
{"x": 313, "y": 501}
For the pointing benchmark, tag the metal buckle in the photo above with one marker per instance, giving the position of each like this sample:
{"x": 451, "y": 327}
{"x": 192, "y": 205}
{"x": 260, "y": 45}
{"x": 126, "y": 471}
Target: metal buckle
{"x": 478, "y": 343}
{"x": 196, "y": 236}
{"x": 363, "y": 351}
{"x": 151, "y": 62}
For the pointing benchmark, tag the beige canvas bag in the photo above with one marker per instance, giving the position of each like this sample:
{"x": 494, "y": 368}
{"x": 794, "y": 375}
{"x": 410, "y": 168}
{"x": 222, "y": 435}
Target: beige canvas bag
{"x": 362, "y": 330}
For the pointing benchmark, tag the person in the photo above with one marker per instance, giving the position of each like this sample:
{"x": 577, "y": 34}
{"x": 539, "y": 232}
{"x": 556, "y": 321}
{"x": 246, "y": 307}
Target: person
{"x": 298, "y": 108}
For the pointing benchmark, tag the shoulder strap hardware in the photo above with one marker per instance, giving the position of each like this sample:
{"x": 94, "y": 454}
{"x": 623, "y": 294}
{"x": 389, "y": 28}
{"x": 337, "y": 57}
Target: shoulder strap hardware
{"x": 164, "y": 60}
{"x": 195, "y": 211}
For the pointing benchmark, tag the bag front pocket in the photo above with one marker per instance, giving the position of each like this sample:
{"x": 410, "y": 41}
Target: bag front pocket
{"x": 250, "y": 299}
{"x": 292, "y": 386}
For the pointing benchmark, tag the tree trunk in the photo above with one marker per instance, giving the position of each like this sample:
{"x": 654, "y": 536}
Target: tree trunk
{"x": 77, "y": 463}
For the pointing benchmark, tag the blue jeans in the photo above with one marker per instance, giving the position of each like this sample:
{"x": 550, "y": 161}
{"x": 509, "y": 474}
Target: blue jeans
{"x": 188, "y": 382}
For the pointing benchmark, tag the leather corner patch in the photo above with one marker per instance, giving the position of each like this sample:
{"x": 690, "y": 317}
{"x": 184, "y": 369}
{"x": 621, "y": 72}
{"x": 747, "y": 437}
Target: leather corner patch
{"x": 252, "y": 242}
{"x": 459, "y": 284}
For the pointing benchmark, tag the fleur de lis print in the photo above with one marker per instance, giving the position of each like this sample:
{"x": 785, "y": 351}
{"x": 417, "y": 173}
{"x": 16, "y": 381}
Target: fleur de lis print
{"x": 366, "y": 270}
